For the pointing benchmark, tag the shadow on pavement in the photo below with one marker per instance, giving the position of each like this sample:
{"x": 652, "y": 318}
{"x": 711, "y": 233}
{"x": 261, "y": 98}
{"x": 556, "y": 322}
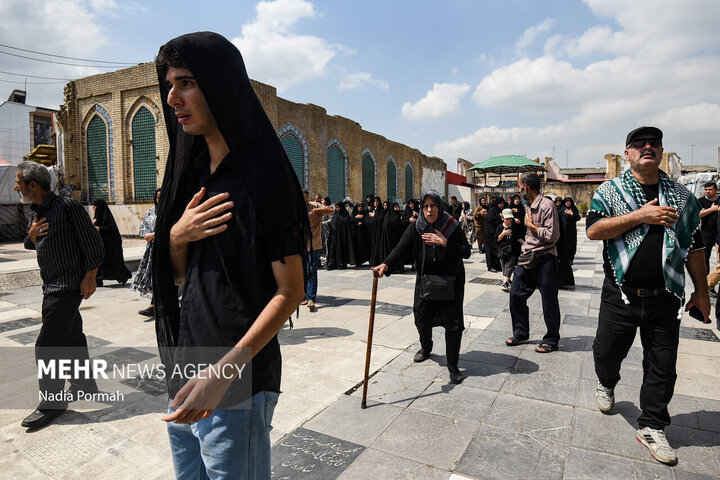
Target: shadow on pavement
{"x": 297, "y": 336}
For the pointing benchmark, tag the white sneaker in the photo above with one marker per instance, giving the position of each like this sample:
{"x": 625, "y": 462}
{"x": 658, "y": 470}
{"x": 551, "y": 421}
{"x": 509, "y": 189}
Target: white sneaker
{"x": 605, "y": 398}
{"x": 658, "y": 445}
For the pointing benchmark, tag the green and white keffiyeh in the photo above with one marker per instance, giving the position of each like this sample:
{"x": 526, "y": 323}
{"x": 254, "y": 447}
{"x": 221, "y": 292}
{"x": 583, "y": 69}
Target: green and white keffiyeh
{"x": 624, "y": 194}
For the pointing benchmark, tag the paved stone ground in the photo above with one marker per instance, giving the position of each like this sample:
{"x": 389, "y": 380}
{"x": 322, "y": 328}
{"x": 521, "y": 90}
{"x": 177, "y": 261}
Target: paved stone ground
{"x": 518, "y": 414}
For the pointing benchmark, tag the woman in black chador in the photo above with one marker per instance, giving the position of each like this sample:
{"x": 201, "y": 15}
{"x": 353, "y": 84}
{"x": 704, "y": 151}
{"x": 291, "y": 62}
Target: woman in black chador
{"x": 439, "y": 247}
{"x": 492, "y": 220}
{"x": 113, "y": 267}
{"x": 569, "y": 216}
{"x": 358, "y": 232}
{"x": 340, "y": 245}
{"x": 374, "y": 224}
{"x": 565, "y": 273}
{"x": 391, "y": 234}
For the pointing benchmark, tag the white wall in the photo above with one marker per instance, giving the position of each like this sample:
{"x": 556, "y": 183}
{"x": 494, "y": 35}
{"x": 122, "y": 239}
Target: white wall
{"x": 15, "y": 131}
{"x": 127, "y": 217}
{"x": 433, "y": 180}
{"x": 463, "y": 194}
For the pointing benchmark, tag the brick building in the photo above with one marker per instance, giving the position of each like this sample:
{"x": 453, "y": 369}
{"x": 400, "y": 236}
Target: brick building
{"x": 115, "y": 146}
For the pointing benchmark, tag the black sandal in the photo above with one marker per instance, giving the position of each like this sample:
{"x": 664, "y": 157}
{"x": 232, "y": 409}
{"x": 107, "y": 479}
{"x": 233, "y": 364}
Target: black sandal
{"x": 545, "y": 348}
{"x": 516, "y": 340}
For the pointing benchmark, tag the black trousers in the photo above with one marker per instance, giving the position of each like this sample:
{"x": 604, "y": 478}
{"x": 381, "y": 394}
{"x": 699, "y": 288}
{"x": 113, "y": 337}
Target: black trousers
{"x": 543, "y": 277}
{"x": 709, "y": 242}
{"x": 660, "y": 333}
{"x": 61, "y": 337}
{"x": 453, "y": 338}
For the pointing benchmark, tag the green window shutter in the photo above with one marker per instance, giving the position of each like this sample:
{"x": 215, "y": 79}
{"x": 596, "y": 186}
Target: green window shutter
{"x": 336, "y": 174}
{"x": 294, "y": 151}
{"x": 391, "y": 182}
{"x": 97, "y": 160}
{"x": 409, "y": 182}
{"x": 144, "y": 165}
{"x": 368, "y": 176}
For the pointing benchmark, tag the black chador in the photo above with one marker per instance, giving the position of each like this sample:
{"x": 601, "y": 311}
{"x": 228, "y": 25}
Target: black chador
{"x": 340, "y": 246}
{"x": 113, "y": 266}
{"x": 359, "y": 233}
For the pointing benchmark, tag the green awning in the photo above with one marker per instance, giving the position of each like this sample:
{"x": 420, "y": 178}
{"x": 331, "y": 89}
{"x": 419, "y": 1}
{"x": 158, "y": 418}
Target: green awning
{"x": 507, "y": 164}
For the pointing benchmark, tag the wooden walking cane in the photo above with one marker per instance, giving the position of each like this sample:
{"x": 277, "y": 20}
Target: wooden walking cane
{"x": 371, "y": 325}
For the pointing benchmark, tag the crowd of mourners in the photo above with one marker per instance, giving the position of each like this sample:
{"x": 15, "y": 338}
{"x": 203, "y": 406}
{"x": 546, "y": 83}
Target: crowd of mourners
{"x": 366, "y": 232}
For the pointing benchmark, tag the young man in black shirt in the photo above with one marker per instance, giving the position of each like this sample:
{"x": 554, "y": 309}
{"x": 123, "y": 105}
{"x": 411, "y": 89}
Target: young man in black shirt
{"x": 708, "y": 221}
{"x": 241, "y": 268}
{"x": 69, "y": 252}
{"x": 648, "y": 224}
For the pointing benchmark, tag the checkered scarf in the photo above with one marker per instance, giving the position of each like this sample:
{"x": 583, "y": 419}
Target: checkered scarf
{"x": 624, "y": 194}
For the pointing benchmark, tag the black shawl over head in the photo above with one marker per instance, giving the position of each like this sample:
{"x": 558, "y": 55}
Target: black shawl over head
{"x": 256, "y": 152}
{"x": 104, "y": 217}
{"x": 445, "y": 222}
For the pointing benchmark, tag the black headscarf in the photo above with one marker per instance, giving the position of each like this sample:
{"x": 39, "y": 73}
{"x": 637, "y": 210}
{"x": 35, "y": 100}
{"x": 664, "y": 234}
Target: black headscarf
{"x": 445, "y": 222}
{"x": 219, "y": 70}
{"x": 104, "y": 217}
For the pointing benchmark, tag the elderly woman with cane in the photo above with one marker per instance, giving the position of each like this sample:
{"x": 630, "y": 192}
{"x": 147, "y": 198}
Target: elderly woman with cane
{"x": 438, "y": 246}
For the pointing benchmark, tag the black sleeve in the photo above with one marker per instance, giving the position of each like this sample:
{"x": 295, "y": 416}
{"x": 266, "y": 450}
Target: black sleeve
{"x": 27, "y": 242}
{"x": 591, "y": 219}
{"x": 405, "y": 244}
{"x": 698, "y": 242}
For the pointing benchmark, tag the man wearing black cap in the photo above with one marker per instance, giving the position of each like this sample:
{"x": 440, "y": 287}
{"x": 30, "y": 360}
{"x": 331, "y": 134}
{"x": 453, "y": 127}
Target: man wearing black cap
{"x": 648, "y": 224}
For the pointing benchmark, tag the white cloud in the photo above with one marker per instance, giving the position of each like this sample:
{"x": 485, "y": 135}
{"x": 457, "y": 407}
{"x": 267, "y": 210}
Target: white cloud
{"x": 530, "y": 34}
{"x": 361, "y": 80}
{"x": 627, "y": 70}
{"x": 73, "y": 28}
{"x": 443, "y": 99}
{"x": 274, "y": 54}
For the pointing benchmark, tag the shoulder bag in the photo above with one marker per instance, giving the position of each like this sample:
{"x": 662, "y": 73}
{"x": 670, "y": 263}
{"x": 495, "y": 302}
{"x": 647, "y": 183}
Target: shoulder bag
{"x": 436, "y": 287}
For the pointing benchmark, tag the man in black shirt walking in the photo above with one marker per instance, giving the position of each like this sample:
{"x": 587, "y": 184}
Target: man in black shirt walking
{"x": 648, "y": 224}
{"x": 708, "y": 220}
{"x": 241, "y": 268}
{"x": 69, "y": 252}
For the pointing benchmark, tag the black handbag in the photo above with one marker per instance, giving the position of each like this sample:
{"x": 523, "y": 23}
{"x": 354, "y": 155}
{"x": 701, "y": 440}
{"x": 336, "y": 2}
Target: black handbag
{"x": 528, "y": 260}
{"x": 436, "y": 287}
{"x": 504, "y": 251}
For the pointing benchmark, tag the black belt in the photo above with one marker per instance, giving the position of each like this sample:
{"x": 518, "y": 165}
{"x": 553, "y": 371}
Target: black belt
{"x": 644, "y": 292}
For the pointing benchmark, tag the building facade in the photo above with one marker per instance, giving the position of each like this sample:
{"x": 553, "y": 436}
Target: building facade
{"x": 115, "y": 146}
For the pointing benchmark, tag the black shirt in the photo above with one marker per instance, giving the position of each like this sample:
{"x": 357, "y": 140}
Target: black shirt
{"x": 71, "y": 248}
{"x": 229, "y": 278}
{"x": 516, "y": 232}
{"x": 645, "y": 270}
{"x": 708, "y": 223}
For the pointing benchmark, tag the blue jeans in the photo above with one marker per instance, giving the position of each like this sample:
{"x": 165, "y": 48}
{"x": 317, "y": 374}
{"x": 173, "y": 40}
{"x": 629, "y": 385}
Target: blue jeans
{"x": 229, "y": 444}
{"x": 312, "y": 279}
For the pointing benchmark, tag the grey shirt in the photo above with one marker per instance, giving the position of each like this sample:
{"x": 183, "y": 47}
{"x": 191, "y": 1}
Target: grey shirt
{"x": 545, "y": 217}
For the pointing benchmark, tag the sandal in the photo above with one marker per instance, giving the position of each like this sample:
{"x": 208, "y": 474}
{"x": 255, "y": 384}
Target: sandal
{"x": 516, "y": 340}
{"x": 545, "y": 348}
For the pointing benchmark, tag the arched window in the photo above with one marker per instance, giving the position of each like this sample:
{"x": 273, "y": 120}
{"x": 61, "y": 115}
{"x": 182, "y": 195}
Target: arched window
{"x": 143, "y": 146}
{"x": 336, "y": 174}
{"x": 294, "y": 151}
{"x": 368, "y": 175}
{"x": 409, "y": 182}
{"x": 391, "y": 181}
{"x": 97, "y": 159}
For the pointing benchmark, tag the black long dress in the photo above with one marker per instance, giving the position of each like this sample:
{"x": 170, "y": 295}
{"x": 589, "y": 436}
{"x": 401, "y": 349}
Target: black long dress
{"x": 492, "y": 220}
{"x": 392, "y": 231}
{"x": 359, "y": 234}
{"x": 340, "y": 246}
{"x": 113, "y": 266}
{"x": 374, "y": 227}
{"x": 565, "y": 272}
{"x": 569, "y": 222}
{"x": 438, "y": 261}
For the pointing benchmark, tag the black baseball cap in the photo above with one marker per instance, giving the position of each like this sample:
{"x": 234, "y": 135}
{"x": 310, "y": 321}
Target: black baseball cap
{"x": 654, "y": 131}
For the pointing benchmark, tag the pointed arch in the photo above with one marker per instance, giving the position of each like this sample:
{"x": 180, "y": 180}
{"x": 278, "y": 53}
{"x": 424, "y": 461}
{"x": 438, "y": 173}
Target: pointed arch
{"x": 409, "y": 181}
{"x": 392, "y": 179}
{"x": 369, "y": 173}
{"x": 296, "y": 149}
{"x": 100, "y": 172}
{"x": 337, "y": 170}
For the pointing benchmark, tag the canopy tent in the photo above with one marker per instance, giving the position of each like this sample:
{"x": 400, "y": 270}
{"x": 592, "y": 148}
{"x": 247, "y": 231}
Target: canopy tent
{"x": 507, "y": 164}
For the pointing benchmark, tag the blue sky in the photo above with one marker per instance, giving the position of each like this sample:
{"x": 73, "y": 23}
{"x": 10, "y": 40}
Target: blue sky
{"x": 469, "y": 79}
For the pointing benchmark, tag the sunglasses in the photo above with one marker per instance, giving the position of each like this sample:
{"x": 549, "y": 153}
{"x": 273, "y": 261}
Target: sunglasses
{"x": 638, "y": 144}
